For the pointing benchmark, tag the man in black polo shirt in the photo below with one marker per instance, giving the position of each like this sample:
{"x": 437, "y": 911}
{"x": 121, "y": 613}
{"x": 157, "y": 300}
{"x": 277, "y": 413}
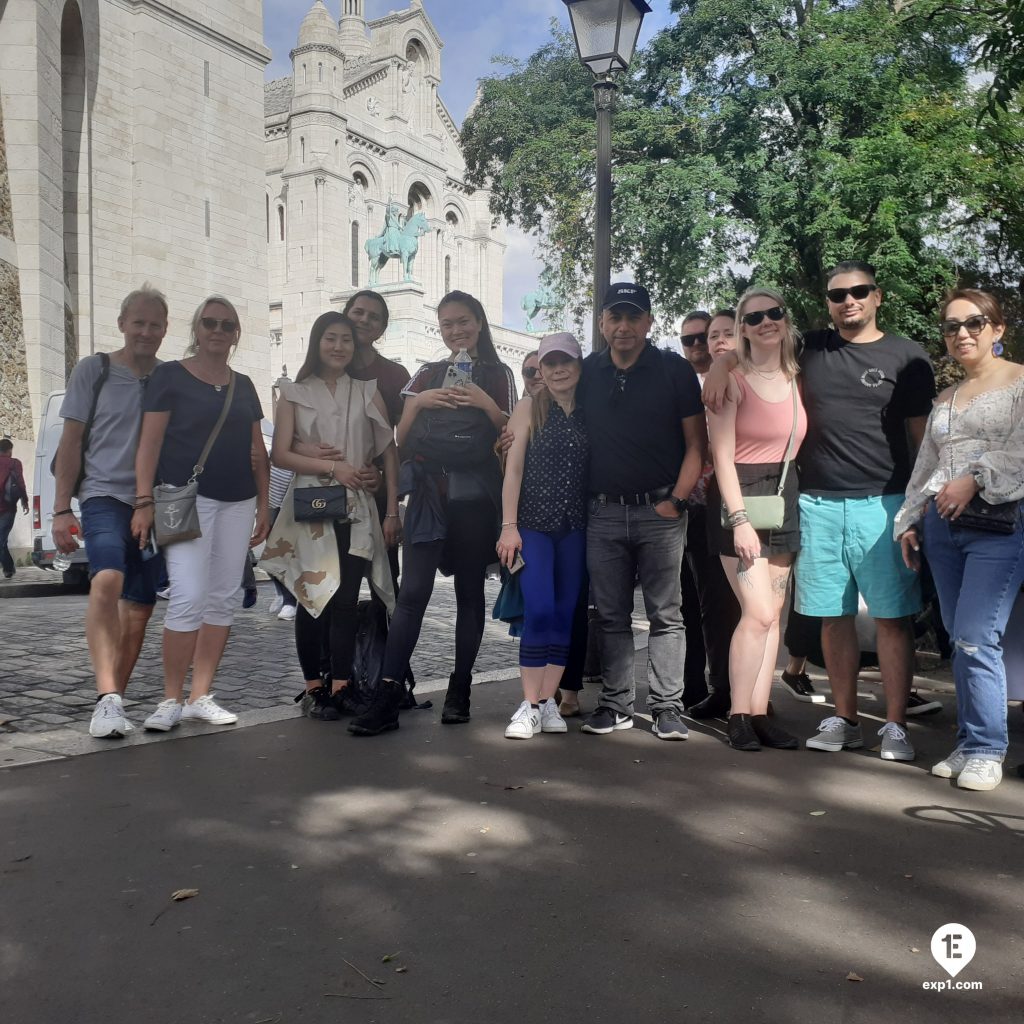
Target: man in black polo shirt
{"x": 647, "y": 441}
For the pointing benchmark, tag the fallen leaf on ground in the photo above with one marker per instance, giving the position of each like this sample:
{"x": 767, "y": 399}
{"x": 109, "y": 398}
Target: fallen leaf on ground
{"x": 401, "y": 970}
{"x": 184, "y": 894}
{"x": 389, "y": 957}
{"x": 914, "y": 949}
{"x": 853, "y": 977}
{"x": 817, "y": 814}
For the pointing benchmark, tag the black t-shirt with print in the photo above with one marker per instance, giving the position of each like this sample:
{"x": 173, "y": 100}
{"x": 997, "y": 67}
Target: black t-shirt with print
{"x": 858, "y": 398}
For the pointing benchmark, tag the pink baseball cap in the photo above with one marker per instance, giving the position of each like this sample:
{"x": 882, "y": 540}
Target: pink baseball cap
{"x": 561, "y": 342}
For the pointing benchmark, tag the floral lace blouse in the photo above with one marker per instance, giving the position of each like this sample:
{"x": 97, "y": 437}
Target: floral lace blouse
{"x": 984, "y": 438}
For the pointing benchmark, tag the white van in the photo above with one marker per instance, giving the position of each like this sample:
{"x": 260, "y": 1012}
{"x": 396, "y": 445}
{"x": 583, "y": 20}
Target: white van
{"x": 50, "y": 428}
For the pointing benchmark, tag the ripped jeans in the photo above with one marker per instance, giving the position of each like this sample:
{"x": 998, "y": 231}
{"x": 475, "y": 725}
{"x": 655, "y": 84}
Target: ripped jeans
{"x": 978, "y": 576}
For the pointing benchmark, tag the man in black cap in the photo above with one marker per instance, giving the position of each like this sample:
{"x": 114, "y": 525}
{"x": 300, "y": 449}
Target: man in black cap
{"x": 647, "y": 441}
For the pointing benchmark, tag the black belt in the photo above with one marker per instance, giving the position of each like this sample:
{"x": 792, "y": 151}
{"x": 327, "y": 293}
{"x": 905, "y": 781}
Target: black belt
{"x": 637, "y": 498}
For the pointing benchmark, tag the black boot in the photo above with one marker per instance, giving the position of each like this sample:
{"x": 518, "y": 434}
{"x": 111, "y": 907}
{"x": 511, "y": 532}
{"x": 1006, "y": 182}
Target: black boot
{"x": 714, "y": 705}
{"x": 382, "y": 714}
{"x": 456, "y": 701}
{"x": 772, "y": 735}
{"x": 741, "y": 733}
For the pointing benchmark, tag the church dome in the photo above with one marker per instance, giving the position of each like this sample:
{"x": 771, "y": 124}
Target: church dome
{"x": 318, "y": 27}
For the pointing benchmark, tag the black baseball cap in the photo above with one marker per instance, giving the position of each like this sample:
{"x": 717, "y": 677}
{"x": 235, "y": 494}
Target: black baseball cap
{"x": 625, "y": 293}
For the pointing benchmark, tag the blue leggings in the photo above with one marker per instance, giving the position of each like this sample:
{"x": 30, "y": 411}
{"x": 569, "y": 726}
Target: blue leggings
{"x": 551, "y": 581}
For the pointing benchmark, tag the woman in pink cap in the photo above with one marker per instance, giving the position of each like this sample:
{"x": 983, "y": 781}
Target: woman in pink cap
{"x": 544, "y": 525}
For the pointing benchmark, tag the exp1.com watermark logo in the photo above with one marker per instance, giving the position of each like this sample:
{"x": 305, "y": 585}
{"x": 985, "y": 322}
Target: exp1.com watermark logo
{"x": 953, "y": 946}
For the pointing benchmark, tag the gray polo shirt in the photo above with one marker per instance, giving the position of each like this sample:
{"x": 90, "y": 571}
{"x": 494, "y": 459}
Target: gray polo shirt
{"x": 110, "y": 457}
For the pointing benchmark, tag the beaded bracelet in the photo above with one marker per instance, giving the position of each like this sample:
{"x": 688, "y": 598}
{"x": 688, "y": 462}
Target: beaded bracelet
{"x": 738, "y": 518}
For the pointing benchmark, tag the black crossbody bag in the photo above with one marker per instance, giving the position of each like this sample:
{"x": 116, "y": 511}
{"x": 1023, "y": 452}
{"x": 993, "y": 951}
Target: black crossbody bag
{"x": 317, "y": 504}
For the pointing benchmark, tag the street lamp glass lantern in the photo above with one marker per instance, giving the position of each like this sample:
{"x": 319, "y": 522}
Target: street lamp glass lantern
{"x": 606, "y": 31}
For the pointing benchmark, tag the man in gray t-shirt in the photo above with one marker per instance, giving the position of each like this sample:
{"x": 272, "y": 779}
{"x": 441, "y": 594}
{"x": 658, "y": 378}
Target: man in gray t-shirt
{"x": 98, "y": 453}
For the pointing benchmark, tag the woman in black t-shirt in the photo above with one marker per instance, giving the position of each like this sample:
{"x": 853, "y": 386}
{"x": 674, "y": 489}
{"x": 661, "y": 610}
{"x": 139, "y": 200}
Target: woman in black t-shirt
{"x": 452, "y": 518}
{"x": 181, "y": 407}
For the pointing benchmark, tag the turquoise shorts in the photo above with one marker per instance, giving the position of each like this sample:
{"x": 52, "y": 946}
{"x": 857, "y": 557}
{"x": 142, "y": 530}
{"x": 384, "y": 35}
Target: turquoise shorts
{"x": 846, "y": 546}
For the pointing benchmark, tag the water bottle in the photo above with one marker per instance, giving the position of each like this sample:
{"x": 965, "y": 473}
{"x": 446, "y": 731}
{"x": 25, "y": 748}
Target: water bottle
{"x": 62, "y": 561}
{"x": 459, "y": 373}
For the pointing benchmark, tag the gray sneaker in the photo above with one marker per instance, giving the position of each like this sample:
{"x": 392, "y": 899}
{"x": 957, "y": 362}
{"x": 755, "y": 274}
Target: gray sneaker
{"x": 896, "y": 745}
{"x": 835, "y": 734}
{"x": 950, "y": 767}
{"x": 669, "y": 726}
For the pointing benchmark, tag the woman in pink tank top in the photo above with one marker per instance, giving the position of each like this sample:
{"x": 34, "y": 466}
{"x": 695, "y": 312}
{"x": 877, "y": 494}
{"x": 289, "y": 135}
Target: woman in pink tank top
{"x": 750, "y": 437}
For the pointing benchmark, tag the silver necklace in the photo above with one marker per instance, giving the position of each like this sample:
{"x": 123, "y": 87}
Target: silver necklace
{"x": 767, "y": 376}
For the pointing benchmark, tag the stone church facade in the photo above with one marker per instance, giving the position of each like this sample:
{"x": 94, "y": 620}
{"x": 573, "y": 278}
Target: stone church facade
{"x": 356, "y": 138}
{"x": 134, "y": 153}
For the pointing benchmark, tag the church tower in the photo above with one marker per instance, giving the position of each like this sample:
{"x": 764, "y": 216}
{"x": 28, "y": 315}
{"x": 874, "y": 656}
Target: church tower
{"x": 352, "y": 35}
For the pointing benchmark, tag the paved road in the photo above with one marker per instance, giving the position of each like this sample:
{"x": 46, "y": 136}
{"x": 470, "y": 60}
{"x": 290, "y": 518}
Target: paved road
{"x": 565, "y": 879}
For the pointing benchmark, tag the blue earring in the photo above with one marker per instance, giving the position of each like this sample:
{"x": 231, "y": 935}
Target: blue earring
{"x": 997, "y": 348}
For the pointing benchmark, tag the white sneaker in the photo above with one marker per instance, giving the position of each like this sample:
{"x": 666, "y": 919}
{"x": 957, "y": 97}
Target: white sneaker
{"x": 206, "y": 709}
{"x": 287, "y": 612}
{"x": 165, "y": 718}
{"x": 980, "y": 774}
{"x": 525, "y": 723}
{"x": 950, "y": 767}
{"x": 276, "y": 605}
{"x": 550, "y": 719}
{"x": 108, "y": 721}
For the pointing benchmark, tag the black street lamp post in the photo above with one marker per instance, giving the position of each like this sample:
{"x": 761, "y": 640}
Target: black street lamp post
{"x": 606, "y": 32}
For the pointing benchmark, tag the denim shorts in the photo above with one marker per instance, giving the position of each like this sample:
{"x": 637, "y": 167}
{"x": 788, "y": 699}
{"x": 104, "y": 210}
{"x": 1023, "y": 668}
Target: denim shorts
{"x": 106, "y": 529}
{"x": 846, "y": 546}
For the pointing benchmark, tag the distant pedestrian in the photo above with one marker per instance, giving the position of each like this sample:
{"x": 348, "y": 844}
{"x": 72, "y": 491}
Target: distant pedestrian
{"x": 102, "y": 410}
{"x": 12, "y": 490}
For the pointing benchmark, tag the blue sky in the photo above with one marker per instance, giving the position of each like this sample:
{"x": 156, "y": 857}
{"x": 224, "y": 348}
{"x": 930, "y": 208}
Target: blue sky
{"x": 473, "y": 33}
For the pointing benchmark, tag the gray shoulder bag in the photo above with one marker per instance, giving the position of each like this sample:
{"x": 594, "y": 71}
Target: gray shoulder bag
{"x": 175, "y": 516}
{"x": 768, "y": 511}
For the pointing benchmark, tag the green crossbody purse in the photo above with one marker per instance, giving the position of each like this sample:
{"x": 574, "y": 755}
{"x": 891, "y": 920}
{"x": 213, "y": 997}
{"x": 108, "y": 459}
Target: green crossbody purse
{"x": 768, "y": 511}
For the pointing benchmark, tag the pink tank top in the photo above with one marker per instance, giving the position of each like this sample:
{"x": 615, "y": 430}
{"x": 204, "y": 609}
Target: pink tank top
{"x": 762, "y": 428}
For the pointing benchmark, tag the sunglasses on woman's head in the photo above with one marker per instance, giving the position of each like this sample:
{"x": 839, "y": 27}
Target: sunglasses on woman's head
{"x": 858, "y": 291}
{"x": 753, "y": 319}
{"x": 529, "y": 372}
{"x": 974, "y": 324}
{"x": 212, "y": 324}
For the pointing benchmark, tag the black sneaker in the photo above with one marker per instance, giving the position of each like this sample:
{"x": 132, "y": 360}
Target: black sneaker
{"x": 382, "y": 715}
{"x": 918, "y": 705}
{"x": 322, "y": 707}
{"x": 741, "y": 733}
{"x": 604, "y": 720}
{"x": 669, "y": 726}
{"x": 714, "y": 705}
{"x": 801, "y": 687}
{"x": 772, "y": 735}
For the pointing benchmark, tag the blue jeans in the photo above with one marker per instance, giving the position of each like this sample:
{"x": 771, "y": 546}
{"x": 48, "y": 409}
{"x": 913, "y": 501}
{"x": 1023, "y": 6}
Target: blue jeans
{"x": 624, "y": 541}
{"x": 551, "y": 580}
{"x": 977, "y": 576}
{"x": 6, "y": 525}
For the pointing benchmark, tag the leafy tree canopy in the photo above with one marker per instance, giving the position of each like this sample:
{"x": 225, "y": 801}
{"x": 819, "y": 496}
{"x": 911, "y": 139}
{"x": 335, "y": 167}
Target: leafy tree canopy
{"x": 766, "y": 140}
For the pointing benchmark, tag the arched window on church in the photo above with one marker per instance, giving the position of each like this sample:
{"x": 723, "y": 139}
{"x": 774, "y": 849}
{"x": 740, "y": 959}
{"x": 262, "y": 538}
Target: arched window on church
{"x": 335, "y": 79}
{"x": 320, "y": 72}
{"x": 303, "y": 74}
{"x": 337, "y": 151}
{"x": 280, "y": 223}
{"x": 447, "y": 274}
{"x": 302, "y": 150}
{"x": 265, "y": 196}
{"x": 355, "y": 254}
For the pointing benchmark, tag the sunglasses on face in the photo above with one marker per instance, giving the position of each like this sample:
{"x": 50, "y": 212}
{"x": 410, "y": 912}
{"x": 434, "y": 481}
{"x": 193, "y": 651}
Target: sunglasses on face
{"x": 753, "y": 319}
{"x": 974, "y": 325}
{"x": 858, "y": 291}
{"x": 529, "y": 372}
{"x": 690, "y": 340}
{"x": 213, "y": 324}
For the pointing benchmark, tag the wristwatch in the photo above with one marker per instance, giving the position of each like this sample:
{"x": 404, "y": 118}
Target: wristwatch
{"x": 679, "y": 504}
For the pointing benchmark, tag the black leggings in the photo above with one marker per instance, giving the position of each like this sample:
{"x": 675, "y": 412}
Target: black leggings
{"x": 466, "y": 552}
{"x": 337, "y": 622}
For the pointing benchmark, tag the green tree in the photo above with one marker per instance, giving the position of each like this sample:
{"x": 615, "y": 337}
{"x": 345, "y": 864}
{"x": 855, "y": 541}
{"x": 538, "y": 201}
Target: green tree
{"x": 764, "y": 140}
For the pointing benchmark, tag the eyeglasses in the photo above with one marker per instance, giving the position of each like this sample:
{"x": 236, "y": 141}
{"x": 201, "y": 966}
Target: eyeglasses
{"x": 213, "y": 324}
{"x": 974, "y": 325}
{"x": 689, "y": 340}
{"x": 753, "y": 319}
{"x": 529, "y": 372}
{"x": 858, "y": 291}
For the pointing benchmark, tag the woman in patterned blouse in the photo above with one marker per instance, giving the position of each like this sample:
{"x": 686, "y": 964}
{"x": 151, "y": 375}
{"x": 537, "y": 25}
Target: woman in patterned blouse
{"x": 972, "y": 459}
{"x": 544, "y": 526}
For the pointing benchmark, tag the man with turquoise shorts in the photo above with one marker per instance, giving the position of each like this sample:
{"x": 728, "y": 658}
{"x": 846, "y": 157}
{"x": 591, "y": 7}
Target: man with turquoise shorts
{"x": 868, "y": 395}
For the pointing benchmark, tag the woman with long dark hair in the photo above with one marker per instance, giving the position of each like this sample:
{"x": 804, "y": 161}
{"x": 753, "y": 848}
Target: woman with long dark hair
{"x": 323, "y": 562}
{"x": 963, "y": 508}
{"x": 454, "y": 500}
